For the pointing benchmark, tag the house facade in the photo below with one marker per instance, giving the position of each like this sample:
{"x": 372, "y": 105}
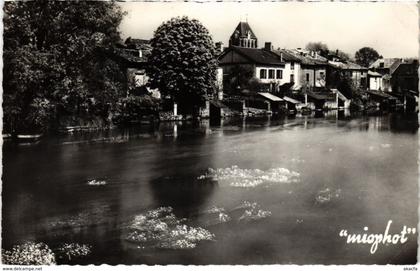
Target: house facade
{"x": 375, "y": 80}
{"x": 357, "y": 73}
{"x": 385, "y": 67}
{"x": 313, "y": 68}
{"x": 404, "y": 79}
{"x": 292, "y": 70}
{"x": 240, "y": 65}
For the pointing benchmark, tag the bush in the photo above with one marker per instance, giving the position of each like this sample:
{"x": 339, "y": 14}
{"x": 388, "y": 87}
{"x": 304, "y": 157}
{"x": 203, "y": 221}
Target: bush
{"x": 133, "y": 108}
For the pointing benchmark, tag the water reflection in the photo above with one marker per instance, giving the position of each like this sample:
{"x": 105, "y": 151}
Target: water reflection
{"x": 354, "y": 170}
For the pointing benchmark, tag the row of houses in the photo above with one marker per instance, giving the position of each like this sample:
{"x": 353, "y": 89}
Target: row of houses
{"x": 293, "y": 71}
{"x": 271, "y": 79}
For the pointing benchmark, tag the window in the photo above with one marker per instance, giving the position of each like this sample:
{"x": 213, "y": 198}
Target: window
{"x": 292, "y": 78}
{"x": 263, "y": 74}
{"x": 270, "y": 74}
{"x": 307, "y": 77}
{"x": 292, "y": 65}
{"x": 381, "y": 65}
{"x": 279, "y": 74}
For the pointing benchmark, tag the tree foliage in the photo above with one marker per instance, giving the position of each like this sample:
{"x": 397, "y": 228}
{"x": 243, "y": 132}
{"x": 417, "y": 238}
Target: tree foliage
{"x": 238, "y": 78}
{"x": 55, "y": 61}
{"x": 366, "y": 56}
{"x": 182, "y": 62}
{"x": 317, "y": 47}
{"x": 343, "y": 55}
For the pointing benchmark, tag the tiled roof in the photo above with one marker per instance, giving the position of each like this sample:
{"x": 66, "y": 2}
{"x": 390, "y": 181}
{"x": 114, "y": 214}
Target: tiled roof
{"x": 270, "y": 96}
{"x": 347, "y": 65}
{"x": 291, "y": 100}
{"x": 406, "y": 68}
{"x": 390, "y": 63}
{"x": 380, "y": 94}
{"x": 307, "y": 59}
{"x": 321, "y": 95}
{"x": 374, "y": 74}
{"x": 260, "y": 56}
{"x": 387, "y": 63}
{"x": 287, "y": 56}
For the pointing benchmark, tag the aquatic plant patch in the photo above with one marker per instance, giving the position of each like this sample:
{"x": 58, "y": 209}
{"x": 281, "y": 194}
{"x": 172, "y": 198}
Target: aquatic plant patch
{"x": 160, "y": 228}
{"x": 73, "y": 250}
{"x": 238, "y": 177}
{"x": 327, "y": 195}
{"x": 252, "y": 211}
{"x": 86, "y": 218}
{"x": 29, "y": 253}
{"x": 216, "y": 215}
{"x": 246, "y": 211}
{"x": 95, "y": 182}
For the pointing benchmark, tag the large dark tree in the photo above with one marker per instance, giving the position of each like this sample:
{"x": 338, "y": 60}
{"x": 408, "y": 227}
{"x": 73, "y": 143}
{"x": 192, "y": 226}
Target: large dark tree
{"x": 55, "y": 61}
{"x": 366, "y": 56}
{"x": 238, "y": 78}
{"x": 183, "y": 62}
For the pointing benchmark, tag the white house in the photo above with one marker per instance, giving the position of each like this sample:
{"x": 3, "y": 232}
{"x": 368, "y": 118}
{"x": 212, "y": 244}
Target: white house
{"x": 264, "y": 65}
{"x": 375, "y": 80}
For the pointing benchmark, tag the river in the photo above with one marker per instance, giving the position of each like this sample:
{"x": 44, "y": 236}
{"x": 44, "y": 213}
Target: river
{"x": 240, "y": 191}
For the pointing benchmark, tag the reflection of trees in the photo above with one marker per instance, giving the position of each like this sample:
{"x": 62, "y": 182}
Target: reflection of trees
{"x": 182, "y": 192}
{"x": 180, "y": 163}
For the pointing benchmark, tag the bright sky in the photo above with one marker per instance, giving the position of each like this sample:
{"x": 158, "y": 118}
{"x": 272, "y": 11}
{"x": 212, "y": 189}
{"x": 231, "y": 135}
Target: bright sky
{"x": 391, "y": 28}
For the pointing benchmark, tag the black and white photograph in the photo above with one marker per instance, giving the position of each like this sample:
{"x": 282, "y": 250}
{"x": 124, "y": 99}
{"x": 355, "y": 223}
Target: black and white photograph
{"x": 151, "y": 133}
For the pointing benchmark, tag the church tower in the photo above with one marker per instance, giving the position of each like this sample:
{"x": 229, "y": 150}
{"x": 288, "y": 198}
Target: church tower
{"x": 243, "y": 36}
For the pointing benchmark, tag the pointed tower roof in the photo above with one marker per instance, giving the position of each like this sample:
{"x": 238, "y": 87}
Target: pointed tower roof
{"x": 242, "y": 30}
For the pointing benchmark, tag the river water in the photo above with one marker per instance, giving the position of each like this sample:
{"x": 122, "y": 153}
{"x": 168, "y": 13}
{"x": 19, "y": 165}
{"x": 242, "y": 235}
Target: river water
{"x": 254, "y": 191}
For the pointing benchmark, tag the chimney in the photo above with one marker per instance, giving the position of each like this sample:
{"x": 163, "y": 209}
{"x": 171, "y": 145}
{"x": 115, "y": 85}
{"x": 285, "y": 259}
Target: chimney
{"x": 281, "y": 57}
{"x": 267, "y": 46}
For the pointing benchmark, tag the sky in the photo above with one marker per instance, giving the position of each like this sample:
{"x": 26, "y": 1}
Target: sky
{"x": 391, "y": 28}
